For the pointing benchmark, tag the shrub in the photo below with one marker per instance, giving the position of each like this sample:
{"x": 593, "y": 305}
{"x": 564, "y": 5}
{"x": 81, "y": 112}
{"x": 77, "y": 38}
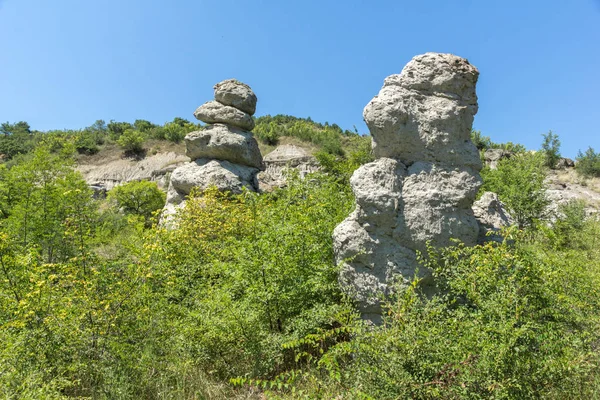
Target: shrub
{"x": 141, "y": 198}
{"x": 551, "y": 149}
{"x": 509, "y": 322}
{"x": 249, "y": 272}
{"x": 116, "y": 129}
{"x": 174, "y": 132}
{"x": 480, "y": 141}
{"x": 131, "y": 141}
{"x": 86, "y": 143}
{"x": 519, "y": 182}
{"x": 588, "y": 164}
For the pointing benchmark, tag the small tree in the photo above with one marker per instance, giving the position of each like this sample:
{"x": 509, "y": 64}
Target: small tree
{"x": 131, "y": 141}
{"x": 519, "y": 182}
{"x": 139, "y": 198}
{"x": 588, "y": 164}
{"x": 551, "y": 149}
{"x": 480, "y": 141}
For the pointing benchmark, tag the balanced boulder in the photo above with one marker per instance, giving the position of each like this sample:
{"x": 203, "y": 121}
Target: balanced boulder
{"x": 223, "y": 142}
{"x": 232, "y": 92}
{"x": 215, "y": 112}
{"x": 224, "y": 154}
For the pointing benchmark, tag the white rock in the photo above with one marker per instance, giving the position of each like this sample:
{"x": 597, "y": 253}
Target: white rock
{"x": 426, "y": 112}
{"x": 234, "y": 93}
{"x": 214, "y": 112}
{"x": 204, "y": 173}
{"x": 283, "y": 159}
{"x": 492, "y": 217}
{"x": 493, "y": 156}
{"x": 420, "y": 189}
{"x": 222, "y": 142}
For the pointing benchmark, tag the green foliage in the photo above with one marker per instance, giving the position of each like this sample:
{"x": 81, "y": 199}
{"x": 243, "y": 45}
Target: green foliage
{"x": 15, "y": 139}
{"x": 132, "y": 141}
{"x": 480, "y": 141}
{"x": 116, "y": 129}
{"x": 565, "y": 232}
{"x": 127, "y": 313}
{"x": 252, "y": 271}
{"x": 143, "y": 126}
{"x": 551, "y": 149}
{"x": 342, "y": 167}
{"x": 510, "y": 146}
{"x": 484, "y": 142}
{"x": 519, "y": 182}
{"x": 509, "y": 322}
{"x": 328, "y": 137}
{"x": 141, "y": 198}
{"x": 588, "y": 164}
{"x": 97, "y": 303}
{"x": 40, "y": 194}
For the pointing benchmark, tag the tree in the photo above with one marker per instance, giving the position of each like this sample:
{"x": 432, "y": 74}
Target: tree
{"x": 481, "y": 142}
{"x": 519, "y": 182}
{"x": 139, "y": 198}
{"x": 588, "y": 164}
{"x": 16, "y": 139}
{"x": 551, "y": 149}
{"x": 45, "y": 200}
{"x": 116, "y": 129}
{"x": 142, "y": 125}
{"x": 131, "y": 141}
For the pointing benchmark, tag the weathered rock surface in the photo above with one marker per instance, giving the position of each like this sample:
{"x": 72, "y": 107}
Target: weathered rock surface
{"x": 222, "y": 142}
{"x": 232, "y": 92}
{"x": 565, "y": 163}
{"x": 493, "y": 156}
{"x": 421, "y": 188}
{"x": 426, "y": 112}
{"x": 103, "y": 175}
{"x": 492, "y": 217}
{"x": 214, "y": 112}
{"x": 204, "y": 173}
{"x": 225, "y": 154}
{"x": 280, "y": 161}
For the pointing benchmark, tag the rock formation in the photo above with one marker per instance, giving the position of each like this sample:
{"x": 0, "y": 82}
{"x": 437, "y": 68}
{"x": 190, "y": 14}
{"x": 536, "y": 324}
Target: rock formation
{"x": 564, "y": 163}
{"x": 225, "y": 153}
{"x": 103, "y": 174}
{"x": 280, "y": 160}
{"x": 492, "y": 217}
{"x": 423, "y": 183}
{"x": 493, "y": 156}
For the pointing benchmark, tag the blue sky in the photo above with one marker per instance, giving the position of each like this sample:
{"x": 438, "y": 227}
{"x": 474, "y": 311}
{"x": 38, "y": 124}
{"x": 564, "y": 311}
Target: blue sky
{"x": 67, "y": 63}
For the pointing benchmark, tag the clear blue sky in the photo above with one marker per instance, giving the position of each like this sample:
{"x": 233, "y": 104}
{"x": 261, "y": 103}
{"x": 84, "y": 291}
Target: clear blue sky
{"x": 67, "y": 63}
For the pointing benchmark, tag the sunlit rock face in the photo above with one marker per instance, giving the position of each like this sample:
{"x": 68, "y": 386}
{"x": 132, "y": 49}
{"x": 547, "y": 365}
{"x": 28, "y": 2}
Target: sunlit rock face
{"x": 225, "y": 153}
{"x": 422, "y": 185}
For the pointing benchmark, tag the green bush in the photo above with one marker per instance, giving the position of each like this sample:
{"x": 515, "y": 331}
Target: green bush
{"x": 132, "y": 141}
{"x": 141, "y": 198}
{"x": 509, "y": 322}
{"x": 116, "y": 129}
{"x": 86, "y": 142}
{"x": 174, "y": 132}
{"x": 551, "y": 149}
{"x": 588, "y": 164}
{"x": 481, "y": 142}
{"x": 519, "y": 182}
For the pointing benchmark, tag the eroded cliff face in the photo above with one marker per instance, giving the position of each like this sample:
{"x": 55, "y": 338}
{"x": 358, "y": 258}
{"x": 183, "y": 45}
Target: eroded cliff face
{"x": 423, "y": 183}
